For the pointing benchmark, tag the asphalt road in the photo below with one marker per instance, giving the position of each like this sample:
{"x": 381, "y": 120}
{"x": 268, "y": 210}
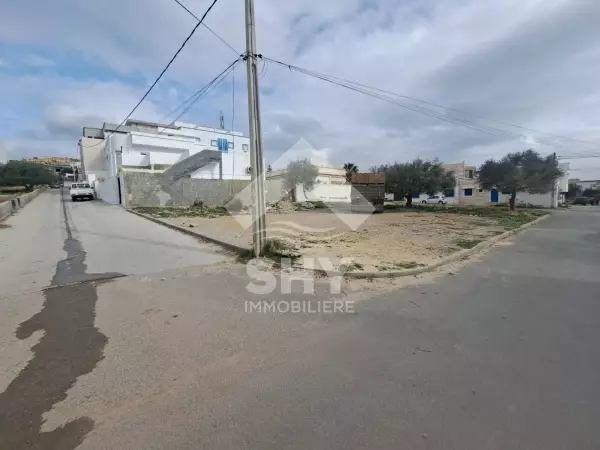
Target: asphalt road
{"x": 115, "y": 242}
{"x": 501, "y": 354}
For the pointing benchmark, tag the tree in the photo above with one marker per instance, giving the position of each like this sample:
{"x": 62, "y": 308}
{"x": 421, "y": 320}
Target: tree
{"x": 520, "y": 171}
{"x": 300, "y": 172}
{"x": 591, "y": 193}
{"x": 406, "y": 179}
{"x": 269, "y": 168}
{"x": 350, "y": 168}
{"x": 22, "y": 173}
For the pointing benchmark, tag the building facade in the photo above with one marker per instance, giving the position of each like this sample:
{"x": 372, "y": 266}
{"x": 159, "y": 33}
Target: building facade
{"x": 157, "y": 147}
{"x": 468, "y": 192}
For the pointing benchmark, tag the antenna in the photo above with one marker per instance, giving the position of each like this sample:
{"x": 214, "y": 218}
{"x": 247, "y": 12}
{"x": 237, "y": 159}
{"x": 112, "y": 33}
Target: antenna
{"x": 222, "y": 121}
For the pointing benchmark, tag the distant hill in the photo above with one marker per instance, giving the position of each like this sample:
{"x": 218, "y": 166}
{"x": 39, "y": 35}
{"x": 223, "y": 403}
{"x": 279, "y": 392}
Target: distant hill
{"x": 52, "y": 160}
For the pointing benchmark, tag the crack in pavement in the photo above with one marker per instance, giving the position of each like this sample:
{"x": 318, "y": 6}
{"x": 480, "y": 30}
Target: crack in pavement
{"x": 71, "y": 346}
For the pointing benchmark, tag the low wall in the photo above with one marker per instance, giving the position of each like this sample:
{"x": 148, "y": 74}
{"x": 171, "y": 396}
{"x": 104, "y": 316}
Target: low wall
{"x": 9, "y": 207}
{"x": 329, "y": 193}
{"x": 151, "y": 189}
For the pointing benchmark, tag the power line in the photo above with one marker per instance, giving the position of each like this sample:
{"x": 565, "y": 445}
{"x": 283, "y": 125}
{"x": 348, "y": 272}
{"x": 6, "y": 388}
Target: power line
{"x": 365, "y": 89}
{"x": 207, "y": 27}
{"x": 421, "y": 110}
{"x": 578, "y": 157}
{"x": 202, "y": 92}
{"x": 162, "y": 72}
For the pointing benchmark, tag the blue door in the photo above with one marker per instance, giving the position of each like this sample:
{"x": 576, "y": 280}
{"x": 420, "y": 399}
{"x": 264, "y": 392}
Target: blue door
{"x": 494, "y": 196}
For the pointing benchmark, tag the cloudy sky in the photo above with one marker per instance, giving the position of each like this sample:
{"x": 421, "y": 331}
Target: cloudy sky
{"x": 534, "y": 63}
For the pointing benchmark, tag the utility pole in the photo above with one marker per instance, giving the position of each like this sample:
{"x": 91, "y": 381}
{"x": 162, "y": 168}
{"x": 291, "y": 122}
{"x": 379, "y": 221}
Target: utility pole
{"x": 554, "y": 185}
{"x": 256, "y": 150}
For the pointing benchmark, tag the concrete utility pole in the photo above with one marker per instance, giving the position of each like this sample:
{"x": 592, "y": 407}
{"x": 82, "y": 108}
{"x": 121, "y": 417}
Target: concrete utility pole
{"x": 256, "y": 150}
{"x": 554, "y": 187}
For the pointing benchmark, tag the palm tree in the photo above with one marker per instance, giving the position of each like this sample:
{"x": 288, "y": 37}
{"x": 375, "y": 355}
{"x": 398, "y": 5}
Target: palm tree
{"x": 350, "y": 168}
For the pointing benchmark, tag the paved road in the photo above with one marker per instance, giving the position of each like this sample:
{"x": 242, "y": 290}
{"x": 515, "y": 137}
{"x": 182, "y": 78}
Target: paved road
{"x": 500, "y": 355}
{"x": 114, "y": 241}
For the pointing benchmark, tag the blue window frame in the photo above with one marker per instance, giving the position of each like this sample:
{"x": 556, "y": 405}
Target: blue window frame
{"x": 223, "y": 145}
{"x": 468, "y": 192}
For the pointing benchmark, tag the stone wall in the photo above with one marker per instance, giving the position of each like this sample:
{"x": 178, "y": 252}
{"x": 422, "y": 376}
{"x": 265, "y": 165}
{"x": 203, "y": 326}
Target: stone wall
{"x": 152, "y": 189}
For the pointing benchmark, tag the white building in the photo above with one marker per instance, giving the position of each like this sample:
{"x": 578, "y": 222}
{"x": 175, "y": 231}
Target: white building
{"x": 155, "y": 147}
{"x": 586, "y": 184}
{"x": 3, "y": 155}
{"x": 330, "y": 183}
{"x": 468, "y": 192}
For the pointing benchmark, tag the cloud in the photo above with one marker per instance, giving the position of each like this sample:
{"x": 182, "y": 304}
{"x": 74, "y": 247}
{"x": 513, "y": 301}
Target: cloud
{"x": 37, "y": 61}
{"x": 528, "y": 62}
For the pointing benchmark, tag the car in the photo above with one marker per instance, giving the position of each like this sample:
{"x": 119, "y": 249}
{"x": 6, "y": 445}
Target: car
{"x": 56, "y": 185}
{"x": 581, "y": 201}
{"x": 81, "y": 190}
{"x": 435, "y": 200}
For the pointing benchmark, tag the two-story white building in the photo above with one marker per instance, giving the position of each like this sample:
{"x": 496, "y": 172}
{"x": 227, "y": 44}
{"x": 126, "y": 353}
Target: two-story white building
{"x": 156, "y": 147}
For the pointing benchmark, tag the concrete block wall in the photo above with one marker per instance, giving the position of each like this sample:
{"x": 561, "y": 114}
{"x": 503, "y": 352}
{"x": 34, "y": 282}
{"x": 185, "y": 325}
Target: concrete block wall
{"x": 9, "y": 207}
{"x": 152, "y": 189}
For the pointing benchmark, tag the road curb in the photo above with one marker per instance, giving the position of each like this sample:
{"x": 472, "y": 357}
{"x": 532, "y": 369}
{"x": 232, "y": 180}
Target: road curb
{"x": 231, "y": 247}
{"x": 448, "y": 259}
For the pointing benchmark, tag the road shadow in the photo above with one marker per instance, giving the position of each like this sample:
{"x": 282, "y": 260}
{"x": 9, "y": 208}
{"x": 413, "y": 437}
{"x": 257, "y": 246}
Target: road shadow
{"x": 70, "y": 347}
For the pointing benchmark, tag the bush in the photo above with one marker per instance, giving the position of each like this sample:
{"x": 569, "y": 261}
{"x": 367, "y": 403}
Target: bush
{"x": 319, "y": 204}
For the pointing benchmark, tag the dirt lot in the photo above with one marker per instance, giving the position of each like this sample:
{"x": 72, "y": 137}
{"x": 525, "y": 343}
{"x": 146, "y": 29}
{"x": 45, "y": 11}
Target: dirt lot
{"x": 389, "y": 241}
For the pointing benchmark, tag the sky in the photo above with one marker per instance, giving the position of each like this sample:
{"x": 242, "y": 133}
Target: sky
{"x": 66, "y": 64}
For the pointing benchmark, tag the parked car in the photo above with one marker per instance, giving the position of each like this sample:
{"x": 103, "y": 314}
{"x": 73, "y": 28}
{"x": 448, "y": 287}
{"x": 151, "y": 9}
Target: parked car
{"x": 56, "y": 185}
{"x": 81, "y": 190}
{"x": 581, "y": 201}
{"x": 435, "y": 200}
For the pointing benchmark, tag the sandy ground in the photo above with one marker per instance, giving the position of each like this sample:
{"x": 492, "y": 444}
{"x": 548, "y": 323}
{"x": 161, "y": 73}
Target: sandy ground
{"x": 386, "y": 241}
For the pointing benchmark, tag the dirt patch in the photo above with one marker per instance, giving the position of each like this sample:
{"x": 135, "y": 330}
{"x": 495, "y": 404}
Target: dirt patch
{"x": 4, "y": 225}
{"x": 389, "y": 241}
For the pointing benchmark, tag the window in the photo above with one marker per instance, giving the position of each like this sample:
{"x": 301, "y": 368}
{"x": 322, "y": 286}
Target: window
{"x": 468, "y": 192}
{"x": 213, "y": 142}
{"x": 231, "y": 145}
{"x": 245, "y": 147}
{"x": 480, "y": 190}
{"x": 470, "y": 173}
{"x": 506, "y": 192}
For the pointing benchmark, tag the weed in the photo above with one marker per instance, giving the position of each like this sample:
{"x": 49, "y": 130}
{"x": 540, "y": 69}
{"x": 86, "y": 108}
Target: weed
{"x": 278, "y": 248}
{"x": 319, "y": 204}
{"x": 352, "y": 267}
{"x": 468, "y": 243}
{"x": 197, "y": 210}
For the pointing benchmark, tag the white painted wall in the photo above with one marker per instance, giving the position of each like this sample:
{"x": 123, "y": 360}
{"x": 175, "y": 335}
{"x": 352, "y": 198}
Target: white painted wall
{"x": 135, "y": 157}
{"x": 175, "y": 145}
{"x": 107, "y": 190}
{"x": 334, "y": 193}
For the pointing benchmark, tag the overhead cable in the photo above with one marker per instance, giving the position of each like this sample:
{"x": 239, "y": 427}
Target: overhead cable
{"x": 162, "y": 72}
{"x": 379, "y": 93}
